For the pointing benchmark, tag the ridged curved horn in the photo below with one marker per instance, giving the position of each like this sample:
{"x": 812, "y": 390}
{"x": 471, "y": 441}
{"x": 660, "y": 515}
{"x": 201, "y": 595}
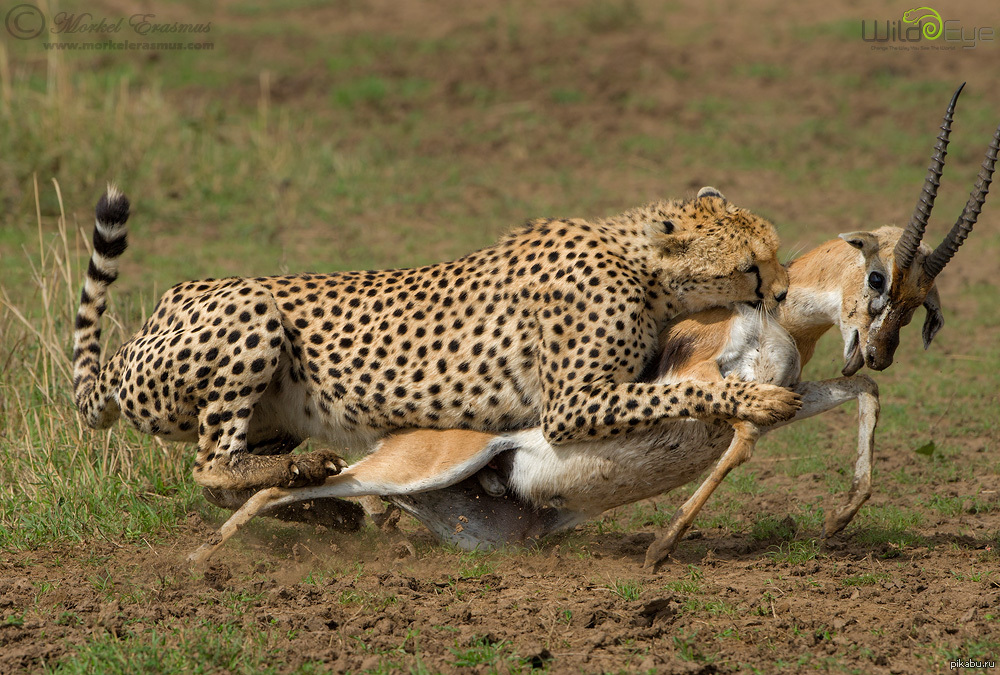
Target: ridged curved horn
{"x": 906, "y": 247}
{"x": 960, "y": 230}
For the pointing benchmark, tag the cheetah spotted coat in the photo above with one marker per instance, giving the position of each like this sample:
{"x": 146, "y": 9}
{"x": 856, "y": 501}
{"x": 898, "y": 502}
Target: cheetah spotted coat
{"x": 553, "y": 325}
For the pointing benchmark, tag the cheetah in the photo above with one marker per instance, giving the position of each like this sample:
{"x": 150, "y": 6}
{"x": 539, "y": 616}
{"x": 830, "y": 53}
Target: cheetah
{"x": 551, "y": 326}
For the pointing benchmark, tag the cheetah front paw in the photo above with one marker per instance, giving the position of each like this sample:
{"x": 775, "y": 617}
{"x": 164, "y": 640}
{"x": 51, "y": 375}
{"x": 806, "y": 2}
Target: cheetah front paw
{"x": 764, "y": 404}
{"x": 312, "y": 469}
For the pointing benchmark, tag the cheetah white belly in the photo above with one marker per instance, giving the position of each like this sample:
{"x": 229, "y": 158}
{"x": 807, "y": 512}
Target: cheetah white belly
{"x": 287, "y": 407}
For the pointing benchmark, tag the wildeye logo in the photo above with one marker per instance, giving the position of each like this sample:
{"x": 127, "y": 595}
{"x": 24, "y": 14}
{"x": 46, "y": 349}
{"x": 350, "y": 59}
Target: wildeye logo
{"x": 921, "y": 24}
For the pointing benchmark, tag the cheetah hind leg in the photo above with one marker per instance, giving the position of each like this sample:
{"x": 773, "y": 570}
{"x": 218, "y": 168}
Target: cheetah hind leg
{"x": 225, "y": 462}
{"x": 333, "y": 513}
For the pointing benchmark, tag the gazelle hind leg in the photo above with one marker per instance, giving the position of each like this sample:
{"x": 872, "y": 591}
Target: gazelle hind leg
{"x": 411, "y": 462}
{"x": 738, "y": 452}
{"x": 265, "y": 500}
{"x": 330, "y": 512}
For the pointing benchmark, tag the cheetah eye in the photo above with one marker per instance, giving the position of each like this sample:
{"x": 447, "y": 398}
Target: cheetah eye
{"x": 876, "y": 280}
{"x": 753, "y": 269}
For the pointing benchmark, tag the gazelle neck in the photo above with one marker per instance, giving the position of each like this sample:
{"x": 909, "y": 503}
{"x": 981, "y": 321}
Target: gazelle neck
{"x": 815, "y": 283}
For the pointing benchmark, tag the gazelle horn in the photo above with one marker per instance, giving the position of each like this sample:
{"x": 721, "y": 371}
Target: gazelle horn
{"x": 960, "y": 230}
{"x": 906, "y": 247}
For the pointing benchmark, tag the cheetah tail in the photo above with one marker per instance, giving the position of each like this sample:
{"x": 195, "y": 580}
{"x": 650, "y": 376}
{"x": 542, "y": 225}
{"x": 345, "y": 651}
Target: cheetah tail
{"x": 110, "y": 241}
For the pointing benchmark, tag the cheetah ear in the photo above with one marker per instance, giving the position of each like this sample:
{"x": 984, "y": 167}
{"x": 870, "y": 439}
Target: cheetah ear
{"x": 676, "y": 244}
{"x": 709, "y": 191}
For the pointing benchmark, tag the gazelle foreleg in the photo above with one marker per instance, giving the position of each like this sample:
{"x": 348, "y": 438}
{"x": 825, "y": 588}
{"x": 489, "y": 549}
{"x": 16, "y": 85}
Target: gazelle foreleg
{"x": 738, "y": 452}
{"x": 818, "y": 397}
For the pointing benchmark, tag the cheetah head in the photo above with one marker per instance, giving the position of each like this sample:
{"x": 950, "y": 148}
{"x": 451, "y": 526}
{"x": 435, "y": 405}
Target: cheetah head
{"x": 711, "y": 253}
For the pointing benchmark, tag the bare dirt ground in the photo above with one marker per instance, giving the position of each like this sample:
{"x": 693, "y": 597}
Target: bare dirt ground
{"x": 891, "y": 597}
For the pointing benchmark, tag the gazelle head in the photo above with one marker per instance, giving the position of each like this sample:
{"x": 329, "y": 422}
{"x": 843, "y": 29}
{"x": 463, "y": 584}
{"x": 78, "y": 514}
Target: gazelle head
{"x": 899, "y": 271}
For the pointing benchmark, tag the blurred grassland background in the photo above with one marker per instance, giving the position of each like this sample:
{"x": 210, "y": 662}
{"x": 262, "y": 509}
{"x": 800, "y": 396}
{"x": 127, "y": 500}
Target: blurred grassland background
{"x": 332, "y": 136}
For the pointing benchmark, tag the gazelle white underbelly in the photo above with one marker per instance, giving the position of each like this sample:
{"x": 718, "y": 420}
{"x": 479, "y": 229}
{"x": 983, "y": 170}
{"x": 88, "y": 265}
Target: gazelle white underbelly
{"x": 593, "y": 476}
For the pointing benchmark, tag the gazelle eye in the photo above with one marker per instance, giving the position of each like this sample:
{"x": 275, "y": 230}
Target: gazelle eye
{"x": 876, "y": 280}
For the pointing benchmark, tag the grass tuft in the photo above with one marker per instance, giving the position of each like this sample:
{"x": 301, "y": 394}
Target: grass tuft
{"x": 626, "y": 589}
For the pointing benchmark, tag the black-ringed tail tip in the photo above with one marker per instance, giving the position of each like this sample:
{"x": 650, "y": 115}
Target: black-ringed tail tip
{"x": 110, "y": 235}
{"x": 112, "y": 208}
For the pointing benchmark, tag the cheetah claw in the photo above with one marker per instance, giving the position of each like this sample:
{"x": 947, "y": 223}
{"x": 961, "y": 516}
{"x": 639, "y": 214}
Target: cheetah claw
{"x": 314, "y": 468}
{"x": 770, "y": 405}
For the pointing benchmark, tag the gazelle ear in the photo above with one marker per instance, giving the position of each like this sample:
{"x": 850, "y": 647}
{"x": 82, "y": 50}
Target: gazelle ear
{"x": 866, "y": 242}
{"x": 934, "y": 319}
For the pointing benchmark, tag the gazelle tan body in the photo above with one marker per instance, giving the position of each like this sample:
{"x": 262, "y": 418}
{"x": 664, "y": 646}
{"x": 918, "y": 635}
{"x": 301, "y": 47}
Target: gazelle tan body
{"x": 866, "y": 283}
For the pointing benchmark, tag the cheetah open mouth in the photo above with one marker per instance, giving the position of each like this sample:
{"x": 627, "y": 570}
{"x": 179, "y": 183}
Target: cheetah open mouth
{"x": 853, "y": 358}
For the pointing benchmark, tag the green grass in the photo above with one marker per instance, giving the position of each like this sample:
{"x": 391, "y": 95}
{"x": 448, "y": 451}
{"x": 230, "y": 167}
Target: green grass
{"x": 615, "y": 15}
{"x": 490, "y": 656}
{"x": 948, "y": 505}
{"x": 683, "y": 586}
{"x": 626, "y": 589}
{"x": 476, "y": 565}
{"x": 867, "y": 579}
{"x": 979, "y": 650}
{"x": 763, "y": 71}
{"x": 888, "y": 527}
{"x": 197, "y": 647}
{"x": 744, "y": 481}
{"x": 720, "y": 512}
{"x": 795, "y": 552}
{"x": 841, "y": 30}
{"x": 767, "y": 528}
{"x": 686, "y": 647}
{"x": 690, "y": 583}
{"x": 712, "y": 607}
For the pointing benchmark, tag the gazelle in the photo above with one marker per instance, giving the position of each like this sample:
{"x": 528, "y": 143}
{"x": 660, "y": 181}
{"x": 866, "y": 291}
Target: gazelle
{"x": 867, "y": 283}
